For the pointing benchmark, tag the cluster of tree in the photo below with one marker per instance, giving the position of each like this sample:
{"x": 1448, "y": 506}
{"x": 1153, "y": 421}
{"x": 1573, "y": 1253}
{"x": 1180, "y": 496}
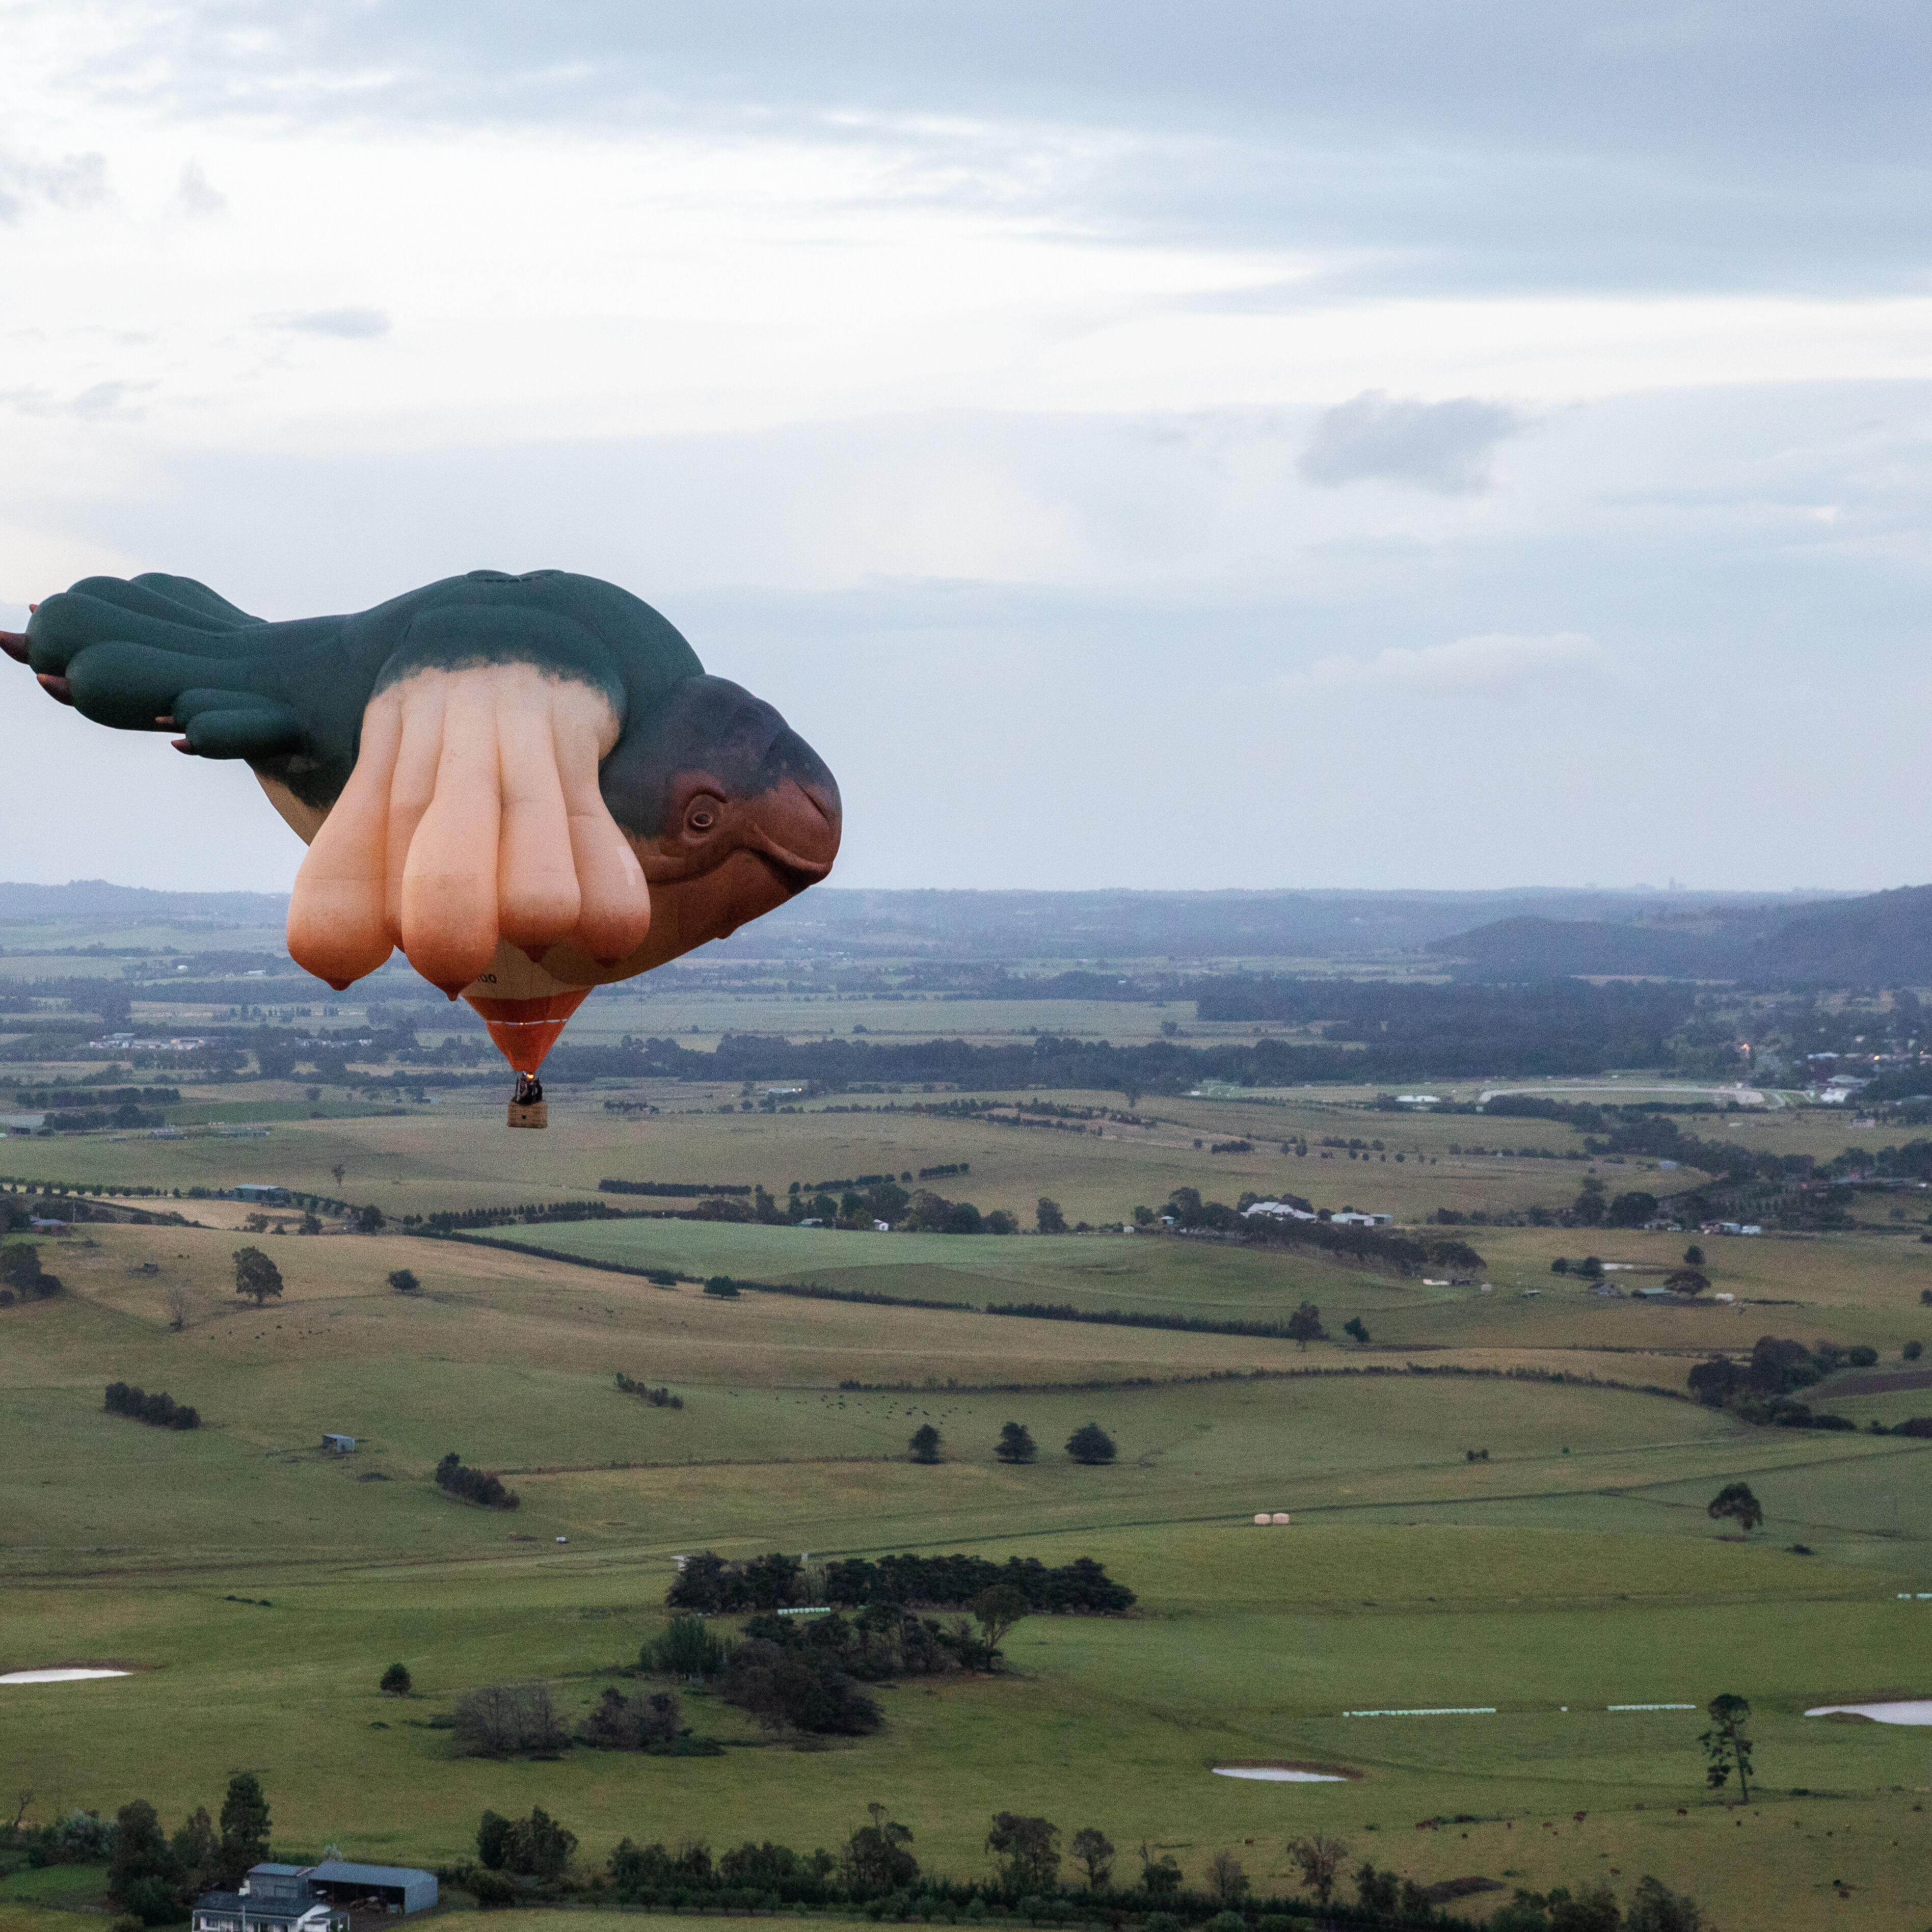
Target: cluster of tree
{"x": 22, "y": 1276}
{"x": 152, "y": 1875}
{"x": 60, "y": 1099}
{"x": 160, "y": 1409}
{"x": 474, "y": 1486}
{"x": 709, "y": 1583}
{"x": 1451, "y": 1050}
{"x": 650, "y": 1721}
{"x": 671, "y": 1189}
{"x": 1763, "y": 1390}
{"x": 925, "y": 1212}
{"x": 657, "y": 1398}
{"x": 953, "y": 1582}
{"x": 510, "y": 1720}
{"x": 1090, "y": 1443}
{"x": 536, "y": 1846}
{"x": 784, "y": 1681}
{"x": 1560, "y": 1026}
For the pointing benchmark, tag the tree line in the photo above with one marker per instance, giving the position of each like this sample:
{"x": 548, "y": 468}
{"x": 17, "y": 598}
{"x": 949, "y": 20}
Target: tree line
{"x": 160, "y": 1410}
{"x": 877, "y": 1871}
{"x": 710, "y": 1583}
{"x": 153, "y": 1876}
{"x": 474, "y": 1486}
{"x": 1764, "y": 1388}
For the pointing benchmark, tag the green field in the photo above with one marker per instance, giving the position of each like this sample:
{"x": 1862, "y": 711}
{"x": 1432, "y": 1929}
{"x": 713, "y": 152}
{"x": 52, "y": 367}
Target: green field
{"x": 1575, "y": 1566}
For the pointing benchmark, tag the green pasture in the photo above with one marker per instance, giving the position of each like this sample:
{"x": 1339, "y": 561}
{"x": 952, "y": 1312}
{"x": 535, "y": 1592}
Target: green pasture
{"x": 1248, "y": 1644}
{"x": 1576, "y": 1565}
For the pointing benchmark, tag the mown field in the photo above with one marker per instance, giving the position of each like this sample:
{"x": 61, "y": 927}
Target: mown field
{"x": 1573, "y": 1568}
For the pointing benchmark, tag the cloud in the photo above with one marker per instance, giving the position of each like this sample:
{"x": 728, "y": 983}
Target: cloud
{"x": 350, "y": 325}
{"x": 197, "y": 194}
{"x": 98, "y": 401}
{"x": 1444, "y": 446}
{"x": 1501, "y": 664}
{"x": 74, "y": 180}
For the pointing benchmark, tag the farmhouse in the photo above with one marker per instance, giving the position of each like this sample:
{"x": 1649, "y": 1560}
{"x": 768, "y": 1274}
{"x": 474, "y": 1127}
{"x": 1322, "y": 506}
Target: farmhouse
{"x": 313, "y": 1898}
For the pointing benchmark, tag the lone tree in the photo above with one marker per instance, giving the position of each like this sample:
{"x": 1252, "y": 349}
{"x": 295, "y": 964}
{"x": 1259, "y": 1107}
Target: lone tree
{"x": 1026, "y": 1845}
{"x": 1693, "y": 1256}
{"x": 997, "y": 1608}
{"x": 1091, "y": 1848}
{"x": 1735, "y": 1500}
{"x": 1090, "y": 1443}
{"x": 256, "y": 1275}
{"x": 245, "y": 1824}
{"x": 1726, "y": 1745}
{"x": 1051, "y": 1220}
{"x": 404, "y": 1281}
{"x": 397, "y": 1680}
{"x": 1318, "y": 1859}
{"x": 876, "y": 1858}
{"x": 1226, "y": 1879}
{"x": 1016, "y": 1443}
{"x": 1357, "y": 1330}
{"x": 1304, "y": 1325}
{"x": 924, "y": 1446}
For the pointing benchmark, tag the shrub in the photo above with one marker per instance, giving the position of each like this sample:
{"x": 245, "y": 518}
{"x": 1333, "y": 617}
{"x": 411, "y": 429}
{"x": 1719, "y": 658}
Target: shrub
{"x": 1090, "y": 1444}
{"x": 404, "y": 1281}
{"x": 687, "y": 1648}
{"x": 474, "y": 1486}
{"x": 804, "y": 1688}
{"x": 490, "y": 1889}
{"x": 510, "y": 1720}
{"x": 152, "y": 1901}
{"x": 644, "y": 1722}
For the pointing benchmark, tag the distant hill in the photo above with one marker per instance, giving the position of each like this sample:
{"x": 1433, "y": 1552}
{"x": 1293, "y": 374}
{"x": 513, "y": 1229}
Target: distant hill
{"x": 96, "y": 899}
{"x": 1186, "y": 928}
{"x": 1530, "y": 931}
{"x": 1884, "y": 939}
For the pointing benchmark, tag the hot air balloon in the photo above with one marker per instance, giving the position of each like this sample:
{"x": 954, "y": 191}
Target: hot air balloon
{"x": 529, "y": 784}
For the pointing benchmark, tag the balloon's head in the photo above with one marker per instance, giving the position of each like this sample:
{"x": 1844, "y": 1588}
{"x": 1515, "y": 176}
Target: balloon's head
{"x": 730, "y": 811}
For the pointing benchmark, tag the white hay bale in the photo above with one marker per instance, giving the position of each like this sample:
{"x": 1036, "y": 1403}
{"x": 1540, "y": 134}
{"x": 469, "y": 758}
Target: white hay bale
{"x": 1261, "y": 1516}
{"x": 1281, "y": 1516}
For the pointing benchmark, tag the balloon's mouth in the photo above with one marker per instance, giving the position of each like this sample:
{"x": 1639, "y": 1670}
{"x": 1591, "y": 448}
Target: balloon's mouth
{"x": 796, "y": 832}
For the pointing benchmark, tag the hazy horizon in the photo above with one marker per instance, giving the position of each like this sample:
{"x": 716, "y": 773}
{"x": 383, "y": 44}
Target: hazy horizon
{"x": 1258, "y": 446}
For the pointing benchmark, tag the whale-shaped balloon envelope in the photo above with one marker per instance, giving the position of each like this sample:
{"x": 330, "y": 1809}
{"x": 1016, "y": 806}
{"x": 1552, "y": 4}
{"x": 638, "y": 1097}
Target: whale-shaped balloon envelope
{"x": 528, "y": 783}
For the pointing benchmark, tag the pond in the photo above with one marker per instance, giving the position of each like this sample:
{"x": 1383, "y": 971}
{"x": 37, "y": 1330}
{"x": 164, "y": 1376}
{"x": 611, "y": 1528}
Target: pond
{"x": 64, "y": 1676}
{"x": 1905, "y": 1711}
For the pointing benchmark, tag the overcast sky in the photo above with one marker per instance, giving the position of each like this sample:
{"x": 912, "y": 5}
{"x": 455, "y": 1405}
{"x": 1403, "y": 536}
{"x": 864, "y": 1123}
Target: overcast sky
{"x": 1138, "y": 444}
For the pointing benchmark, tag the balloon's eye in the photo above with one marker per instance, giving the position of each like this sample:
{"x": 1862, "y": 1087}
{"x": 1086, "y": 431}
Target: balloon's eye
{"x": 703, "y": 815}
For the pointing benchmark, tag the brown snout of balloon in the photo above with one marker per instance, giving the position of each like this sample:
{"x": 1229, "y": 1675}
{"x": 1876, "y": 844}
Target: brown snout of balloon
{"x": 783, "y": 841}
